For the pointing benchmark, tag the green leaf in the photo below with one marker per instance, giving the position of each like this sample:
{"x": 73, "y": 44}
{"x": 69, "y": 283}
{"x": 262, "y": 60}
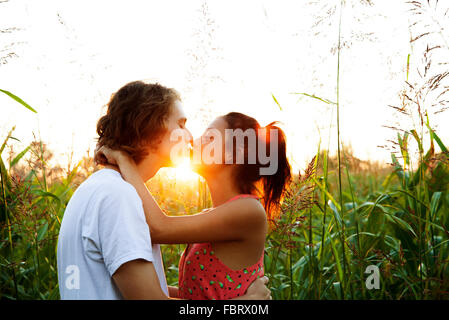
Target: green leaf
{"x": 403, "y": 178}
{"x": 42, "y": 231}
{"x": 387, "y": 180}
{"x": 44, "y": 194}
{"x": 403, "y": 143}
{"x": 404, "y": 225}
{"x": 4, "y": 176}
{"x": 323, "y": 189}
{"x": 275, "y": 100}
{"x": 23, "y": 103}
{"x": 335, "y": 211}
{"x": 437, "y": 139}
{"x": 408, "y": 65}
{"x": 417, "y": 175}
{"x": 418, "y": 140}
{"x": 18, "y": 157}
{"x": 435, "y": 203}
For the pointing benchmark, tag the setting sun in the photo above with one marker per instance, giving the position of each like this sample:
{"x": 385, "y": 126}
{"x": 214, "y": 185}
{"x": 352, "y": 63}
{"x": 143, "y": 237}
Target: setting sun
{"x": 184, "y": 171}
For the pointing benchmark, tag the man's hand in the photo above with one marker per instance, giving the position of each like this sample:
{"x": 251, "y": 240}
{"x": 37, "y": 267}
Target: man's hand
{"x": 173, "y": 292}
{"x": 258, "y": 290}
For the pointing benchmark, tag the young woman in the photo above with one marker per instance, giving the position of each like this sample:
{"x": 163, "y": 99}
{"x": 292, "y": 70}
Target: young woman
{"x": 225, "y": 243}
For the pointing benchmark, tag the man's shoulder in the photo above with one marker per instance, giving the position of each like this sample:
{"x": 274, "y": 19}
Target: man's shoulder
{"x": 108, "y": 183}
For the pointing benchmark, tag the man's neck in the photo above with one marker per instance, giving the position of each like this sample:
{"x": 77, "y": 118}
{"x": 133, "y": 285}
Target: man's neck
{"x": 149, "y": 166}
{"x": 111, "y": 167}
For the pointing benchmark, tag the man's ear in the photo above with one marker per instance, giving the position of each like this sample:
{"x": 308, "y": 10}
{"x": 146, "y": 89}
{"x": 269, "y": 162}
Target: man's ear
{"x": 99, "y": 157}
{"x": 154, "y": 146}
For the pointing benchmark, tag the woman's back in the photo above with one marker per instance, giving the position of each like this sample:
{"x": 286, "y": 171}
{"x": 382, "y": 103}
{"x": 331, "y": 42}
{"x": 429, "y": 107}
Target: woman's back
{"x": 203, "y": 275}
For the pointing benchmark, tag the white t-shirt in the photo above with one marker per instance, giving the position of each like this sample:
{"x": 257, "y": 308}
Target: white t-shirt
{"x": 103, "y": 227}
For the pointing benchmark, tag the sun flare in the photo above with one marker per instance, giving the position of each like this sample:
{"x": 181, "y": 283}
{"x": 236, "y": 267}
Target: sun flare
{"x": 184, "y": 172}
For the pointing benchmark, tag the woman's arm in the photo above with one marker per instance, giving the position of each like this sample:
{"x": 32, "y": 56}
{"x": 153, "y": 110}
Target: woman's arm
{"x": 235, "y": 220}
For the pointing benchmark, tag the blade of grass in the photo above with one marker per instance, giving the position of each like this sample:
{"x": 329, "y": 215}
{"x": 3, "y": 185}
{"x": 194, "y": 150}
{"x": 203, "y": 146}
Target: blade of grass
{"x": 276, "y": 101}
{"x": 16, "y": 98}
{"x": 315, "y": 97}
{"x": 18, "y": 157}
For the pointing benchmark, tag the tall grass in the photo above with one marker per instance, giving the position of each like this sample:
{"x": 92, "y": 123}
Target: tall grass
{"x": 391, "y": 227}
{"x": 395, "y": 218}
{"x": 340, "y": 216}
{"x": 383, "y": 228}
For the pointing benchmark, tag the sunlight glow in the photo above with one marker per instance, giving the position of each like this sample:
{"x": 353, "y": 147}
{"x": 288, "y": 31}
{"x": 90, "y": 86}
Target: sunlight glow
{"x": 74, "y": 58}
{"x": 183, "y": 172}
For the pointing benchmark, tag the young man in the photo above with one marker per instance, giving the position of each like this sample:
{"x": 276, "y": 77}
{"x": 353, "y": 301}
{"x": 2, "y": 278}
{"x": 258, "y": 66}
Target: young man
{"x": 104, "y": 245}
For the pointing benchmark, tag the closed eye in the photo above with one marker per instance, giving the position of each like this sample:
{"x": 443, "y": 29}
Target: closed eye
{"x": 207, "y": 139}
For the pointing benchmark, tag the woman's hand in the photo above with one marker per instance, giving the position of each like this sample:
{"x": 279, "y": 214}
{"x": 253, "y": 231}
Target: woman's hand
{"x": 99, "y": 157}
{"x": 104, "y": 155}
{"x": 258, "y": 290}
{"x": 121, "y": 160}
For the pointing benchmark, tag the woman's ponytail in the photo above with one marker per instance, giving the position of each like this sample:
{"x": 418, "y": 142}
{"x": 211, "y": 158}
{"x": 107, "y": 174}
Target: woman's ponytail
{"x": 250, "y": 177}
{"x": 275, "y": 185}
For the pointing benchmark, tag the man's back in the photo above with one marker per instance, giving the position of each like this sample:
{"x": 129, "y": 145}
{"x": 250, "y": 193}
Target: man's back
{"x": 103, "y": 227}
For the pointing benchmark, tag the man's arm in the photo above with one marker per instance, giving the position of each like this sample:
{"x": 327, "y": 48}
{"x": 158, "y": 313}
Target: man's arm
{"x": 138, "y": 280}
{"x": 258, "y": 290}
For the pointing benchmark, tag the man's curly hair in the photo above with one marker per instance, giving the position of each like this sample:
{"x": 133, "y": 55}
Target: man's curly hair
{"x": 136, "y": 118}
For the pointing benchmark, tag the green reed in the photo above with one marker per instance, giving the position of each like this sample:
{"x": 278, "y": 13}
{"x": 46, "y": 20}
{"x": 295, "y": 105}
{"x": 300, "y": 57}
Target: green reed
{"x": 332, "y": 226}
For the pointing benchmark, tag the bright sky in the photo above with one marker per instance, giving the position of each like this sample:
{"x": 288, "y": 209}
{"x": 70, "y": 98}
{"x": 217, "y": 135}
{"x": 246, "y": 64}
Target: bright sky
{"x": 70, "y": 56}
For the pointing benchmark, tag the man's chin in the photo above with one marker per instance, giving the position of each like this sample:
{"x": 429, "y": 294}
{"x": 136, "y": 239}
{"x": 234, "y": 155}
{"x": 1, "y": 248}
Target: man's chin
{"x": 171, "y": 164}
{"x": 168, "y": 163}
